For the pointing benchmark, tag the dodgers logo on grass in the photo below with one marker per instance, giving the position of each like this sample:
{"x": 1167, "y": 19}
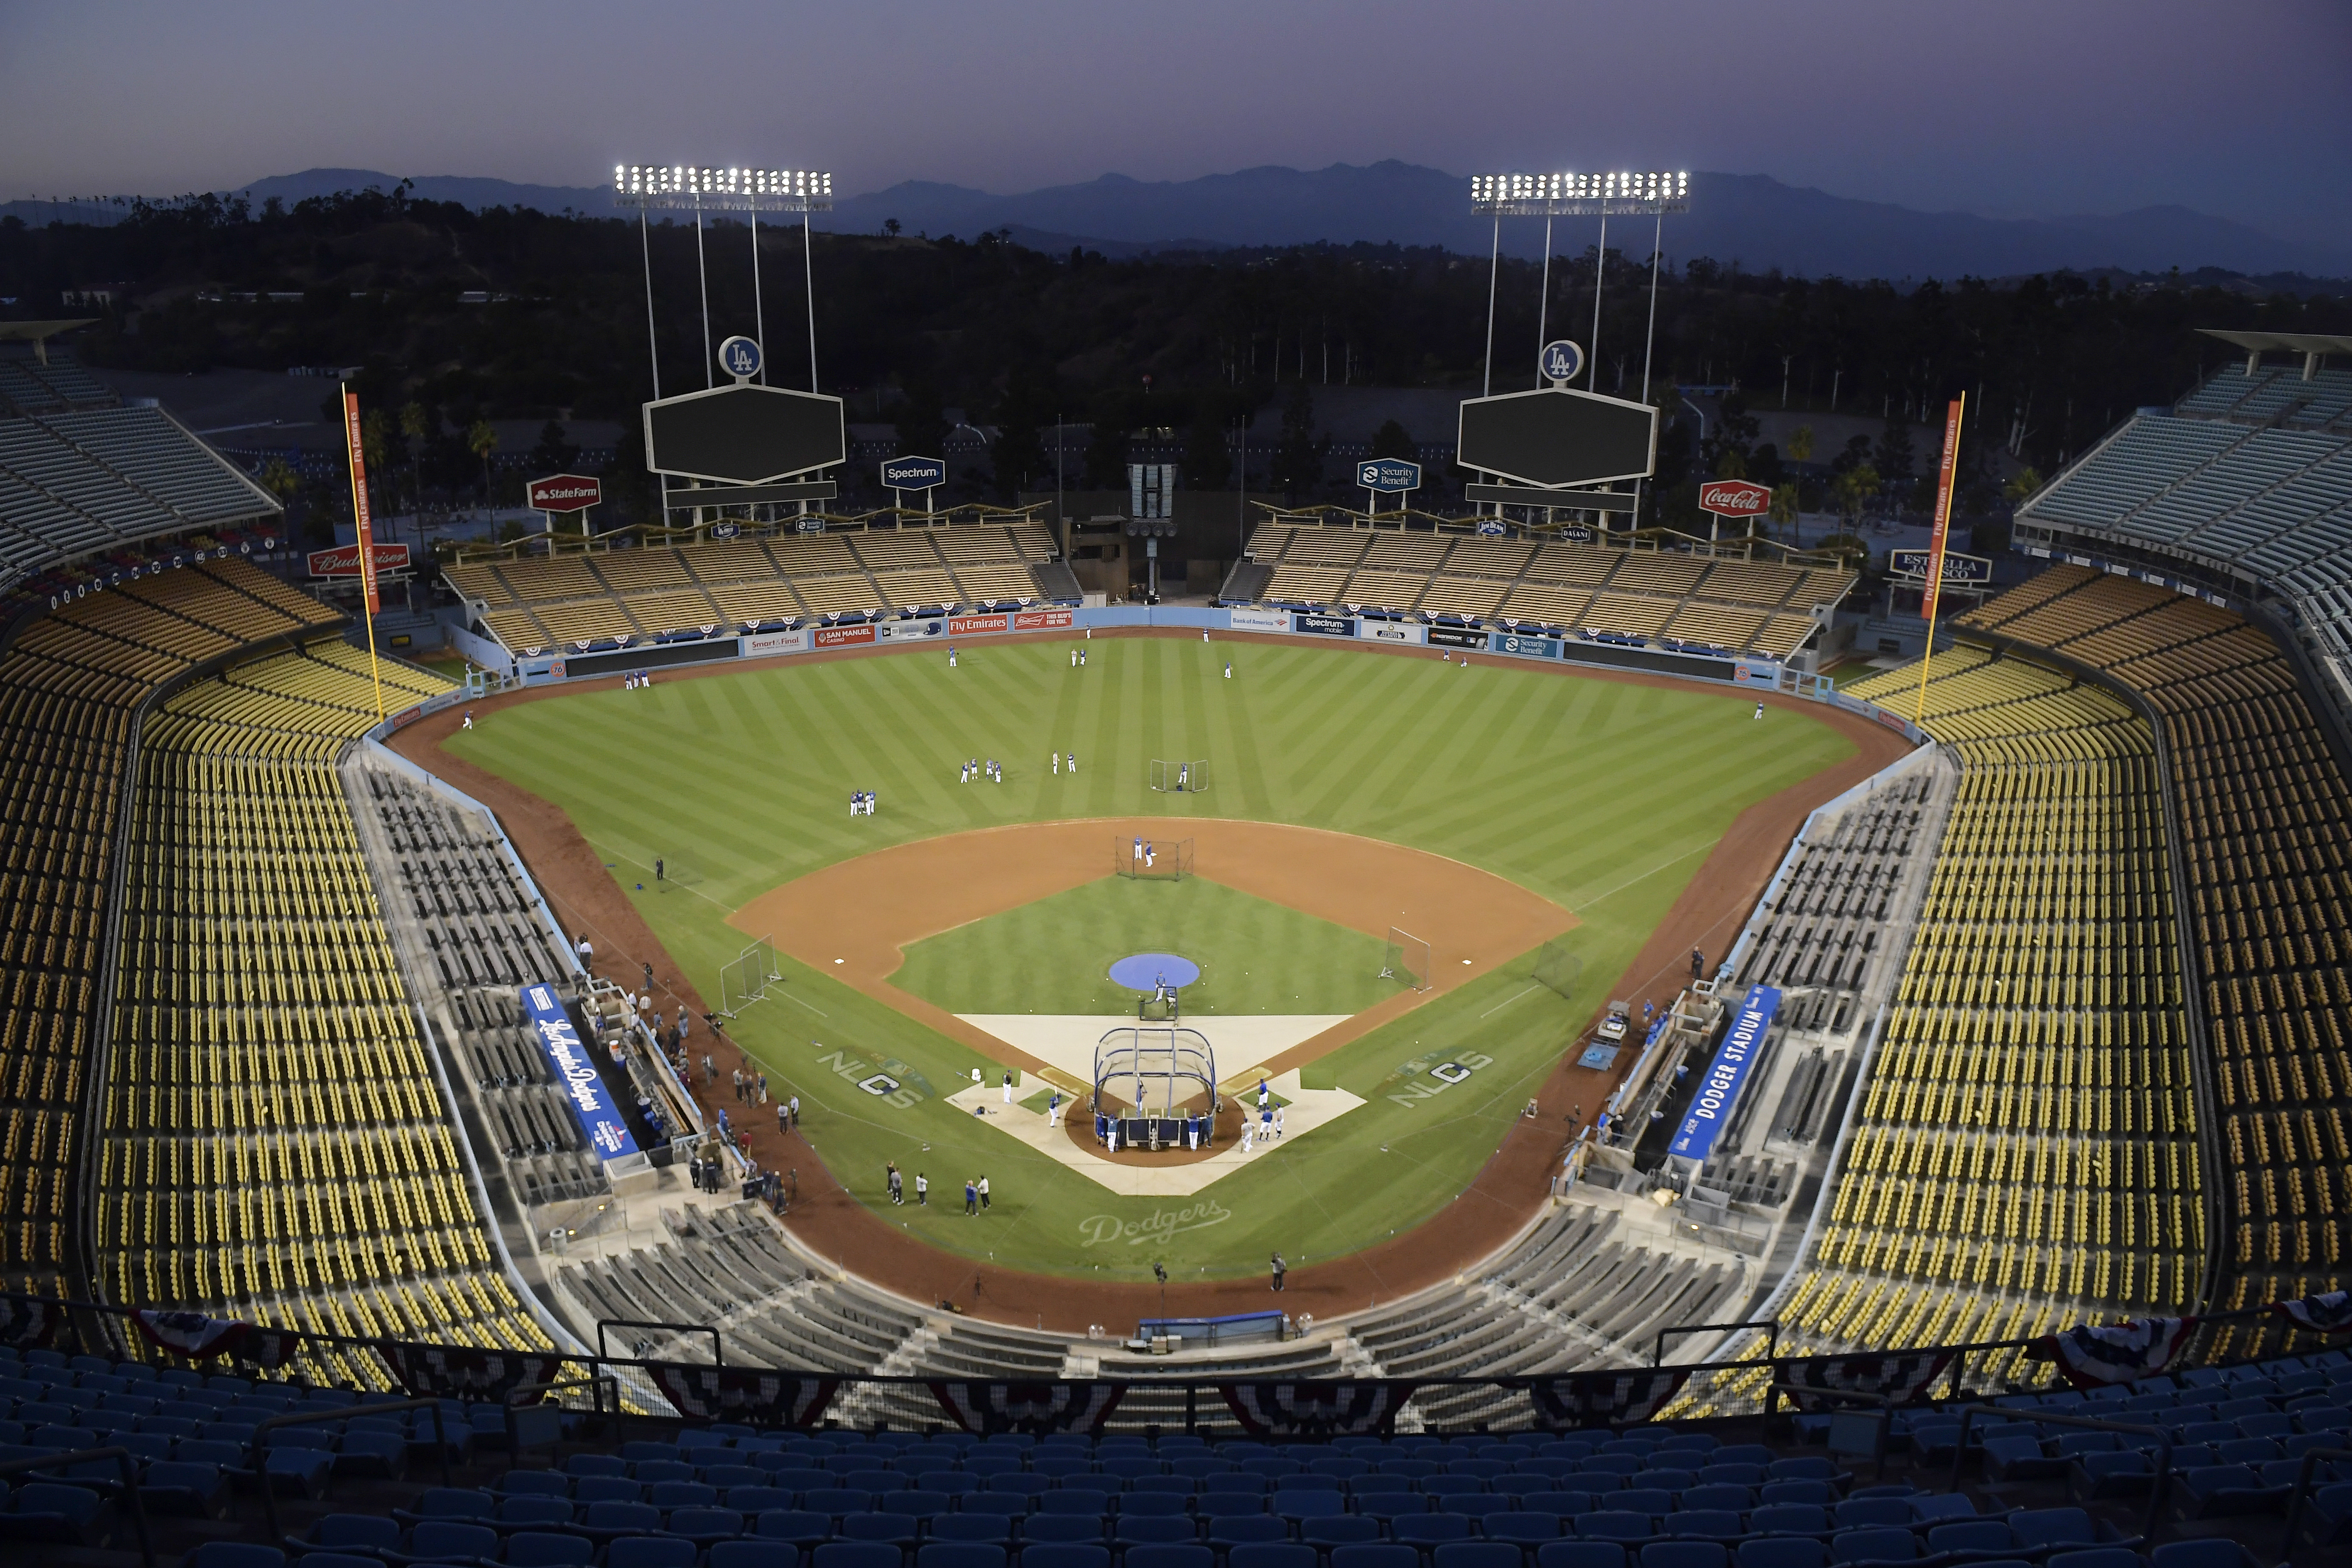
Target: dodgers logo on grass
{"x": 607, "y": 1133}
{"x": 1159, "y": 1226}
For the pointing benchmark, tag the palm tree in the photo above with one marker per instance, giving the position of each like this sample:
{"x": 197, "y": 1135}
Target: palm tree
{"x": 1784, "y": 513}
{"x": 482, "y": 440}
{"x": 415, "y": 427}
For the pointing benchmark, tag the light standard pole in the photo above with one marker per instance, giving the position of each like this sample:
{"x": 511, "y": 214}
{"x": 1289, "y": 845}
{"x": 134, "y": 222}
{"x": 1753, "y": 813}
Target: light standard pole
{"x": 695, "y": 188}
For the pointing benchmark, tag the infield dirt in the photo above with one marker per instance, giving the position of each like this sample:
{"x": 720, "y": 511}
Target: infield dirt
{"x": 1508, "y": 1192}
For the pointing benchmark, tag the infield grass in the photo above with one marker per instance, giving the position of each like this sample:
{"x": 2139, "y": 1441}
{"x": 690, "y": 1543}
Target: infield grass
{"x": 1052, "y": 956}
{"x": 1601, "y": 795}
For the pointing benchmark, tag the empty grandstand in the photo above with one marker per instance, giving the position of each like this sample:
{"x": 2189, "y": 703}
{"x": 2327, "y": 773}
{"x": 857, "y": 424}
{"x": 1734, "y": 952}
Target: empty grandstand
{"x": 618, "y": 598}
{"x": 82, "y": 476}
{"x": 1674, "y": 599}
{"x": 2244, "y": 488}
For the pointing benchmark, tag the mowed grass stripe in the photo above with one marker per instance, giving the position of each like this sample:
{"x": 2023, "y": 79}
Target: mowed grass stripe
{"x": 1571, "y": 786}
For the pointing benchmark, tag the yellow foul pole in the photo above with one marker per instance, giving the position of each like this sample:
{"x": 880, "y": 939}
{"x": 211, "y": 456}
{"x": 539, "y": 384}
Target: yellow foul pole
{"x": 1943, "y": 528}
{"x": 368, "y": 600}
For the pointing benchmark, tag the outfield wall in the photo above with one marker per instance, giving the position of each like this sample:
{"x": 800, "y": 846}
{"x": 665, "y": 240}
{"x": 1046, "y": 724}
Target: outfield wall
{"x": 1755, "y": 674}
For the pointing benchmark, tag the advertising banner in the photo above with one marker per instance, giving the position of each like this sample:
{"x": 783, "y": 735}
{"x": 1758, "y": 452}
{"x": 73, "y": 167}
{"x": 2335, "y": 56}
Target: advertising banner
{"x": 976, "y": 625}
{"x": 607, "y": 1133}
{"x": 1042, "y": 620}
{"x": 1455, "y": 637}
{"x": 1248, "y": 618}
{"x": 1327, "y": 625}
{"x": 1392, "y": 631}
{"x": 761, "y": 643}
{"x": 1526, "y": 648}
{"x": 910, "y": 631}
{"x": 843, "y": 636}
{"x": 1945, "y": 469}
{"x": 1718, "y": 1093}
{"x": 563, "y": 492}
{"x": 1735, "y": 497}
{"x": 1958, "y": 568}
{"x": 343, "y": 560}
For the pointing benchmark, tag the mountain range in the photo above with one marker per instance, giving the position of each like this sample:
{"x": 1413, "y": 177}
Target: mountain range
{"x": 1753, "y": 220}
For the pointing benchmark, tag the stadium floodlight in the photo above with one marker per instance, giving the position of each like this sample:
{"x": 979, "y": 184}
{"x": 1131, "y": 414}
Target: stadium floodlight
{"x": 1579, "y": 195}
{"x": 699, "y": 188}
{"x": 696, "y": 187}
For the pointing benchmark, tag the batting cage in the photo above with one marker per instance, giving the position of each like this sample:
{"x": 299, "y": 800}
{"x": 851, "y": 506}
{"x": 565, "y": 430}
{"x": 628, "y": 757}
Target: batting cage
{"x": 1153, "y": 859}
{"x": 1148, "y": 1078}
{"x": 1406, "y": 960}
{"x": 1558, "y": 968}
{"x": 746, "y": 978}
{"x": 1180, "y": 777}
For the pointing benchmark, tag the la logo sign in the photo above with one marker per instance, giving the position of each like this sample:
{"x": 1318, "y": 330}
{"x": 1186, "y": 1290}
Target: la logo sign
{"x": 1735, "y": 497}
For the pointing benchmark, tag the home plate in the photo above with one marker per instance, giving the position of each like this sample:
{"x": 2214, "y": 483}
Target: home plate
{"x": 1066, "y": 1041}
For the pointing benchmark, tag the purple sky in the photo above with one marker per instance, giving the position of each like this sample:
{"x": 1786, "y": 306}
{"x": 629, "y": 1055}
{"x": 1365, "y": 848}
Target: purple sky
{"x": 2004, "y": 107}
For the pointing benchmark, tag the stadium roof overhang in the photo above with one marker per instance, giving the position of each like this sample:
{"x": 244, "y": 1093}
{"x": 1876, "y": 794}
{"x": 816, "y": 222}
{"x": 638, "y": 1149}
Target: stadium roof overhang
{"x": 2312, "y": 346}
{"x": 38, "y": 333}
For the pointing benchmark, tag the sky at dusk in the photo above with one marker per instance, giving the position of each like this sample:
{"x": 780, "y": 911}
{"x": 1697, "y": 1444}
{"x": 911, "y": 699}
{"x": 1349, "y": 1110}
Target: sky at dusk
{"x": 2009, "y": 108}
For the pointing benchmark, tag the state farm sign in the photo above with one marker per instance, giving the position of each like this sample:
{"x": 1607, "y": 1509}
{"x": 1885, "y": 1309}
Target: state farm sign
{"x": 1735, "y": 497}
{"x": 343, "y": 560}
{"x": 563, "y": 492}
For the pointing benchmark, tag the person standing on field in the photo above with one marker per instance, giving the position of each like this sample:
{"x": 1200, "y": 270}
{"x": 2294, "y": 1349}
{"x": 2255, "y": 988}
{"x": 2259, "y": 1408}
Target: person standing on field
{"x": 922, "y": 1191}
{"x": 984, "y": 1192}
{"x": 971, "y": 1199}
{"x": 1280, "y": 1269}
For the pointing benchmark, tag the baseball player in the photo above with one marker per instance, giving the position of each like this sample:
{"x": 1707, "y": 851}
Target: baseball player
{"x": 1074, "y": 761}
{"x": 470, "y": 718}
{"x": 1136, "y": 853}
{"x": 952, "y": 657}
{"x": 1055, "y": 758}
{"x": 1760, "y": 711}
{"x": 1229, "y": 669}
{"x": 1008, "y": 1089}
{"x": 852, "y": 803}
{"x": 1073, "y": 656}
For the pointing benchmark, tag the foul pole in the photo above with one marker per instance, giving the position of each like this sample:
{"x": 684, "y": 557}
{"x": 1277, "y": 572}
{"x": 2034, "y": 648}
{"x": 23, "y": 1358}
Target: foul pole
{"x": 1945, "y": 471}
{"x": 368, "y": 599}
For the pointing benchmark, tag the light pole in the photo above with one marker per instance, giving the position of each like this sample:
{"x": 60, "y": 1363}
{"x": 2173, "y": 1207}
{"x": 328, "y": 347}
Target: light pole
{"x": 682, "y": 187}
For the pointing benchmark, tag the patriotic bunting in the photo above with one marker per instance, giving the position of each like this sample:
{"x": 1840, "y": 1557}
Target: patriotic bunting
{"x": 754, "y": 1395}
{"x": 1602, "y": 1398}
{"x": 2093, "y": 1356}
{"x": 2329, "y": 1312}
{"x": 1902, "y": 1378}
{"x": 190, "y": 1334}
{"x": 1034, "y": 1407}
{"x": 456, "y": 1371}
{"x": 1315, "y": 1409}
{"x": 27, "y": 1323}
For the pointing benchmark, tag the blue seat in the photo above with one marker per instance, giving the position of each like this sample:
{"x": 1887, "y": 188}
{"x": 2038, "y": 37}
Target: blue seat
{"x": 1581, "y": 1554}
{"x": 1783, "y": 1552}
{"x": 2094, "y": 1557}
{"x": 651, "y": 1552}
{"x": 1151, "y": 1530}
{"x": 1274, "y": 1554}
{"x": 981, "y": 1529}
{"x": 961, "y": 1554}
{"x": 1431, "y": 1529}
{"x": 449, "y": 1541}
{"x": 1874, "y": 1544}
{"x": 1684, "y": 1554}
{"x": 1227, "y": 1504}
{"x": 184, "y": 1486}
{"x": 1056, "y": 1528}
{"x": 2209, "y": 1552}
{"x": 595, "y": 1465}
{"x": 1788, "y": 1518}
{"x": 668, "y": 1495}
{"x": 1012, "y": 1505}
{"x": 1295, "y": 1503}
{"x": 1972, "y": 1537}
{"x": 353, "y": 1532}
{"x": 836, "y": 1501}
{"x": 1386, "y": 1505}
{"x": 855, "y": 1554}
{"x": 1152, "y": 1505}
{"x": 1061, "y": 1554}
{"x": 542, "y": 1549}
{"x": 2037, "y": 1530}
{"x": 1088, "y": 1500}
{"x": 1474, "y": 1554}
{"x": 1375, "y": 1555}
{"x": 652, "y": 1471}
{"x": 1526, "y": 1528}
{"x": 796, "y": 1528}
{"x": 899, "y": 1530}
{"x": 1641, "y": 1500}
{"x": 1721, "y": 1525}
{"x": 450, "y": 1503}
{"x": 1232, "y": 1531}
{"x": 587, "y": 1490}
{"x": 1334, "y": 1531}
{"x": 602, "y": 1521}
{"x": 1192, "y": 1555}
{"x": 707, "y": 1525}
{"x": 1857, "y": 1512}
{"x": 531, "y": 1513}
{"x": 1613, "y": 1524}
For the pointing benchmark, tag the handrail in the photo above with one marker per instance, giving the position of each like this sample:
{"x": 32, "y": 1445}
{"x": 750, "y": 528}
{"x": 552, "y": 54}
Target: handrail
{"x": 320, "y": 1418}
{"x": 515, "y": 1400}
{"x": 718, "y": 1351}
{"x": 2058, "y": 1418}
{"x": 1887, "y": 1405}
{"x": 1771, "y": 1337}
{"x": 2311, "y": 1459}
{"x": 122, "y": 1460}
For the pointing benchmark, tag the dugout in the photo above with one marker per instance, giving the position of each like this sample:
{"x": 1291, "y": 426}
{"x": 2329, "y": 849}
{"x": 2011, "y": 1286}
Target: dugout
{"x": 1235, "y": 1329}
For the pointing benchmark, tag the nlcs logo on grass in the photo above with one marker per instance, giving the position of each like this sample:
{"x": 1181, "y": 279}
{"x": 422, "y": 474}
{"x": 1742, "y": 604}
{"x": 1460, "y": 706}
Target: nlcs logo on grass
{"x": 888, "y": 1079}
{"x": 1447, "y": 1073}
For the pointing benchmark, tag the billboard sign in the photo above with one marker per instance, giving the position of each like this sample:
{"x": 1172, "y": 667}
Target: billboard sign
{"x": 843, "y": 636}
{"x": 1735, "y": 497}
{"x": 1455, "y": 637}
{"x": 366, "y": 552}
{"x": 744, "y": 434}
{"x": 1393, "y": 475}
{"x": 1718, "y": 1093}
{"x": 563, "y": 492}
{"x": 910, "y": 631}
{"x": 976, "y": 625}
{"x": 1958, "y": 568}
{"x": 1526, "y": 648}
{"x": 1042, "y": 620}
{"x": 1945, "y": 469}
{"x": 914, "y": 473}
{"x": 576, "y": 1074}
{"x": 759, "y": 644}
{"x": 1392, "y": 631}
{"x": 343, "y": 560}
{"x": 1327, "y": 625}
{"x": 1554, "y": 437}
{"x": 1248, "y": 618}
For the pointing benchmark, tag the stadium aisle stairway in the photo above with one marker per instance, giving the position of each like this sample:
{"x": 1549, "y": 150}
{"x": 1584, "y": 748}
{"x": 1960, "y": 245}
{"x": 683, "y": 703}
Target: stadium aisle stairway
{"x": 1740, "y": 605}
{"x": 2025, "y": 1157}
{"x": 70, "y": 685}
{"x": 2266, "y": 823}
{"x": 276, "y": 1146}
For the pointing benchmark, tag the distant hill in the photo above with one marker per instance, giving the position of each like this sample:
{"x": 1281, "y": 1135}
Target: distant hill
{"x": 1752, "y": 219}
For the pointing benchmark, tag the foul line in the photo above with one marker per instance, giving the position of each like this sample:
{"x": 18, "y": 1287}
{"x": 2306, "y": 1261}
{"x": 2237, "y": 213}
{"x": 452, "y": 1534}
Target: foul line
{"x": 1644, "y": 876}
{"x": 682, "y": 887}
{"x": 1500, "y": 1005}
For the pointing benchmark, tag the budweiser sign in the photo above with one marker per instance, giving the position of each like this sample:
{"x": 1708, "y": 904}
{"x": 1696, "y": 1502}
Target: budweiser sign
{"x": 343, "y": 560}
{"x": 1735, "y": 497}
{"x": 563, "y": 492}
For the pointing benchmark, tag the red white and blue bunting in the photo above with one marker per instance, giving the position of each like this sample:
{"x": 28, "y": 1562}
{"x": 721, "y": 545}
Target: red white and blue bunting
{"x": 2093, "y": 1356}
{"x": 1034, "y": 1407}
{"x": 28, "y": 1323}
{"x": 1900, "y": 1377}
{"x": 2330, "y": 1312}
{"x": 1602, "y": 1398}
{"x": 455, "y": 1372}
{"x": 754, "y": 1395}
{"x": 1315, "y": 1409}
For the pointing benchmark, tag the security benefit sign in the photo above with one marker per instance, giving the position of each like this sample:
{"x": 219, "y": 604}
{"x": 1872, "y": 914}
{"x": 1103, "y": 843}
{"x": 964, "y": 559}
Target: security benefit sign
{"x": 599, "y": 1118}
{"x": 1718, "y": 1093}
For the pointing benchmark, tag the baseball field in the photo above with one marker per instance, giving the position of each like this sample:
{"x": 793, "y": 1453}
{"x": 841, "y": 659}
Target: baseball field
{"x": 969, "y": 926}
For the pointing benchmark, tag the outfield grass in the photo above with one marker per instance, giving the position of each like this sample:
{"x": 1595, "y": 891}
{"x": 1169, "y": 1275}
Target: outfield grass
{"x": 1601, "y": 795}
{"x": 1050, "y": 956}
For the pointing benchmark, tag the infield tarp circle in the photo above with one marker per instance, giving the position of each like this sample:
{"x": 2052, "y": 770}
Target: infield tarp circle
{"x": 1142, "y": 971}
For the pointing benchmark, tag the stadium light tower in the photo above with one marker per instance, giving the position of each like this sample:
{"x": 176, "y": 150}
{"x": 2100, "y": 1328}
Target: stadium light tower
{"x": 1647, "y": 193}
{"x": 683, "y": 187}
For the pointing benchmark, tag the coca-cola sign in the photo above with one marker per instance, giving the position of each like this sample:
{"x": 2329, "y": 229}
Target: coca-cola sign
{"x": 563, "y": 492}
{"x": 343, "y": 560}
{"x": 1735, "y": 497}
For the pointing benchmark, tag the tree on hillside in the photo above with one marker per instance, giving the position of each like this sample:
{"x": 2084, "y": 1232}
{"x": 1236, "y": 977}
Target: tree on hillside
{"x": 1017, "y": 459}
{"x": 1106, "y": 464}
{"x": 1854, "y": 492}
{"x": 1893, "y": 459}
{"x": 553, "y": 453}
{"x": 482, "y": 440}
{"x": 1298, "y": 457}
{"x": 415, "y": 428}
{"x": 1392, "y": 441}
{"x": 922, "y": 423}
{"x": 1785, "y": 514}
{"x": 1208, "y": 460}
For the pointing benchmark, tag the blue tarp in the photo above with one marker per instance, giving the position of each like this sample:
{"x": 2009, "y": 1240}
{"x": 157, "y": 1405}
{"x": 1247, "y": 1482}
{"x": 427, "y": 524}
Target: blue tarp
{"x": 1711, "y": 1107}
{"x": 577, "y": 1075}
